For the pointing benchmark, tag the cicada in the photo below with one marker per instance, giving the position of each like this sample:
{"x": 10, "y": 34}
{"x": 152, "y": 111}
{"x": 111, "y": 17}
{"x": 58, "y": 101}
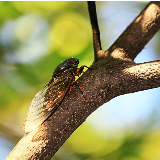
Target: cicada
{"x": 47, "y": 100}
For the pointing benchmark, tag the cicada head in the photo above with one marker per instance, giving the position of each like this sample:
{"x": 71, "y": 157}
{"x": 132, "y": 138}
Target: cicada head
{"x": 69, "y": 64}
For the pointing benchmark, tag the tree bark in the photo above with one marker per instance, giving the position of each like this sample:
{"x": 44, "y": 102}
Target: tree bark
{"x": 113, "y": 73}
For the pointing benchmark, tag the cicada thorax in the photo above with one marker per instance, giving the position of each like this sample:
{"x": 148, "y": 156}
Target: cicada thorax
{"x": 47, "y": 100}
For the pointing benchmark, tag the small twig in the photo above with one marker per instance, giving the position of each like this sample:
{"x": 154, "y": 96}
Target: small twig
{"x": 95, "y": 28}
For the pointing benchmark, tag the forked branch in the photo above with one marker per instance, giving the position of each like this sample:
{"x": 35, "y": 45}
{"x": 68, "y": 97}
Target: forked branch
{"x": 100, "y": 84}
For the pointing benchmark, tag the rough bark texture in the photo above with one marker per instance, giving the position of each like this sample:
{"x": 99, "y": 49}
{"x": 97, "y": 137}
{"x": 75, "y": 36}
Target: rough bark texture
{"x": 113, "y": 73}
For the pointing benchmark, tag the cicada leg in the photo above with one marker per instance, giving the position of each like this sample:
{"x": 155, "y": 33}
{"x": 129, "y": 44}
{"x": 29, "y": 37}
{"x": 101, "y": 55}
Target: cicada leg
{"x": 81, "y": 70}
{"x": 77, "y": 84}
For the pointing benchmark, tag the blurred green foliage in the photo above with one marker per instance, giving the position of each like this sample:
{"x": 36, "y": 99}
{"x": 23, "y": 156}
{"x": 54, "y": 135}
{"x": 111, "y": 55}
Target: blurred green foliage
{"x": 34, "y": 38}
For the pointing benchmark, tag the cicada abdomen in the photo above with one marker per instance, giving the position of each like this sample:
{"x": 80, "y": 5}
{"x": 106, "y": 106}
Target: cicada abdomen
{"x": 47, "y": 100}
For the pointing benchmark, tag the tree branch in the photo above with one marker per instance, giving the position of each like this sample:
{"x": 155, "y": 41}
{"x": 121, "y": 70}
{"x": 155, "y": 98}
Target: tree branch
{"x": 104, "y": 82}
{"x": 99, "y": 85}
{"x": 95, "y": 29}
{"x": 137, "y": 34}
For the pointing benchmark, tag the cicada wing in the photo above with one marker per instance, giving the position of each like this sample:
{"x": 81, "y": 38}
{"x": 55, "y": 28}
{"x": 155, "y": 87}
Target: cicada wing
{"x": 44, "y": 103}
{"x": 36, "y": 113}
